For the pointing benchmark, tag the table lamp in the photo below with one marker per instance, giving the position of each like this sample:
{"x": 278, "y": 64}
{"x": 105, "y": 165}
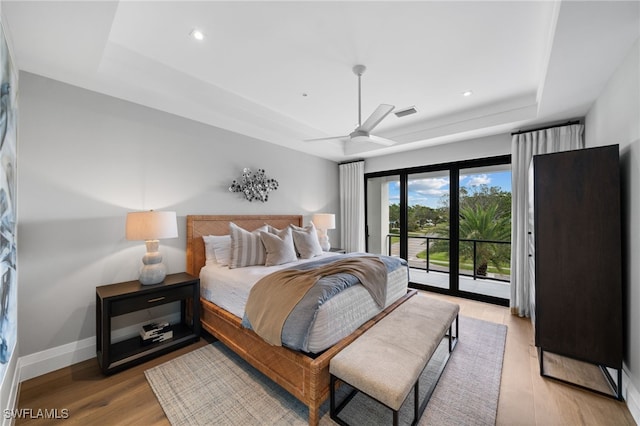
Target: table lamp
{"x": 323, "y": 222}
{"x": 151, "y": 226}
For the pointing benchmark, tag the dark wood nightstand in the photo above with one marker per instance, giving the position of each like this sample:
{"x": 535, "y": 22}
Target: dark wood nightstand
{"x": 118, "y": 299}
{"x": 337, "y": 250}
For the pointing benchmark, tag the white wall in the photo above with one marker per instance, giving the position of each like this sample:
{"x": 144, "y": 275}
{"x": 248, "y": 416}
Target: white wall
{"x": 86, "y": 159}
{"x": 490, "y": 146}
{"x": 615, "y": 119}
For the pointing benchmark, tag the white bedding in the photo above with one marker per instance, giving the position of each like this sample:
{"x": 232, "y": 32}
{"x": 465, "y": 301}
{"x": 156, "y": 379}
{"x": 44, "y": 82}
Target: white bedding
{"x": 336, "y": 319}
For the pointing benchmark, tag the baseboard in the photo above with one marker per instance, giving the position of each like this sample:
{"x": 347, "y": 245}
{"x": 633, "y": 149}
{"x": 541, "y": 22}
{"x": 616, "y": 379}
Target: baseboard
{"x": 39, "y": 363}
{"x": 49, "y": 360}
{"x": 10, "y": 395}
{"x": 631, "y": 396}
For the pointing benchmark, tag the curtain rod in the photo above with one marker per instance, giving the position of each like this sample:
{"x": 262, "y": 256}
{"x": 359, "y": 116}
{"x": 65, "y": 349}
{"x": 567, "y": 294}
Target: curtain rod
{"x": 349, "y": 162}
{"x": 551, "y": 126}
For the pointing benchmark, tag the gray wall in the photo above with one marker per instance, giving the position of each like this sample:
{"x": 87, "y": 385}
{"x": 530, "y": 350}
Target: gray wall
{"x": 615, "y": 119}
{"x": 85, "y": 160}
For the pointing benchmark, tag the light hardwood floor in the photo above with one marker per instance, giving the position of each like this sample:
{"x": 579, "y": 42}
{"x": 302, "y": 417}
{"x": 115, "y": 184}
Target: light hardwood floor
{"x": 528, "y": 399}
{"x": 525, "y": 397}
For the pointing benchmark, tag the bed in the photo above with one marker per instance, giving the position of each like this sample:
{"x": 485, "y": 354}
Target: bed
{"x": 304, "y": 375}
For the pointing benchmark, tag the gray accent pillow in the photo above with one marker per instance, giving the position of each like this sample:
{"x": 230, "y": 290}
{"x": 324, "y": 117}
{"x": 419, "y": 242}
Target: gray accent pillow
{"x": 246, "y": 247}
{"x": 278, "y": 246}
{"x": 306, "y": 241}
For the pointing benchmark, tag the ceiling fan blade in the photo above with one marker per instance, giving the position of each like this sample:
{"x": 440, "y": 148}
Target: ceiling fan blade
{"x": 381, "y": 141}
{"x": 326, "y": 139}
{"x": 376, "y": 117}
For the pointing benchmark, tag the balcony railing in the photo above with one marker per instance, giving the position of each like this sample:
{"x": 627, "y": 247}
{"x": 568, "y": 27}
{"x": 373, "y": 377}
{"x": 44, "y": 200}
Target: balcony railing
{"x": 428, "y": 264}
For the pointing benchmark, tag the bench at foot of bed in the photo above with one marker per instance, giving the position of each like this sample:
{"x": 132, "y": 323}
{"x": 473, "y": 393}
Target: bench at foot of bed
{"x": 387, "y": 360}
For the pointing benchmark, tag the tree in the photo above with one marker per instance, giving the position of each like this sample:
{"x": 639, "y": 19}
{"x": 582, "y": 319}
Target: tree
{"x": 394, "y": 216}
{"x": 419, "y": 217}
{"x": 483, "y": 196}
{"x": 487, "y": 224}
{"x": 485, "y": 214}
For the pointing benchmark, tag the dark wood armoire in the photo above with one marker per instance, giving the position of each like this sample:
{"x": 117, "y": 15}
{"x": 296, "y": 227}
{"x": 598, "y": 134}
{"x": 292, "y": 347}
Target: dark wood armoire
{"x": 578, "y": 261}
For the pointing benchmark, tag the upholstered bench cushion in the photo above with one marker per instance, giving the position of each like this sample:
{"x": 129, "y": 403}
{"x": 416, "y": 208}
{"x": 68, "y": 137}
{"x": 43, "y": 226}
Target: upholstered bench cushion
{"x": 387, "y": 359}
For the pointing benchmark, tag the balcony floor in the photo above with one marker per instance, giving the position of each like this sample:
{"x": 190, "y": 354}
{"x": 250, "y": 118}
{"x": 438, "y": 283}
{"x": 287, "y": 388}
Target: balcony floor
{"x": 493, "y": 288}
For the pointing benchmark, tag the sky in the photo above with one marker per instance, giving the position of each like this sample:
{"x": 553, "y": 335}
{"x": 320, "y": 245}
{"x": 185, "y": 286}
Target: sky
{"x": 428, "y": 192}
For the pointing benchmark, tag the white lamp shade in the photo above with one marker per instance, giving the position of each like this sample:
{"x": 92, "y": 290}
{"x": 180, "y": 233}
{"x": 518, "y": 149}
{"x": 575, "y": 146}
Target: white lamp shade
{"x": 151, "y": 225}
{"x": 324, "y": 220}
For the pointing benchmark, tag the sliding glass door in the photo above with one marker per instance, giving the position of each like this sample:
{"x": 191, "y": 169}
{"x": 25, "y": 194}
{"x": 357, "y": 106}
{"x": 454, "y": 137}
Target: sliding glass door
{"x": 485, "y": 230}
{"x": 428, "y": 228}
{"x": 451, "y": 222}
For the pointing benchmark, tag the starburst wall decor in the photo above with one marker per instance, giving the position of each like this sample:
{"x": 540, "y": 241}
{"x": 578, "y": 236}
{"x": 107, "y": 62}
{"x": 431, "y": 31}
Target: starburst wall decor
{"x": 254, "y": 186}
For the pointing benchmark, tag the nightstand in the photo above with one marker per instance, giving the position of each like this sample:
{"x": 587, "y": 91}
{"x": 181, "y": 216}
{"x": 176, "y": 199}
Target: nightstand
{"x": 122, "y": 298}
{"x": 337, "y": 250}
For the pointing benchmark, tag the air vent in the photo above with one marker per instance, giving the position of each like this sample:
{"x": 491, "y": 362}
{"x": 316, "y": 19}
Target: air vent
{"x": 405, "y": 111}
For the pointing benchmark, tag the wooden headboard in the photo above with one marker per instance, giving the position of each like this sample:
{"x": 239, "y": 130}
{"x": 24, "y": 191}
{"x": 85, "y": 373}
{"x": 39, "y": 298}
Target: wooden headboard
{"x": 197, "y": 226}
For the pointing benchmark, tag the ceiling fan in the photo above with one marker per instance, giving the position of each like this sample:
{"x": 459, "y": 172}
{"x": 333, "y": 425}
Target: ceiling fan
{"x": 362, "y": 133}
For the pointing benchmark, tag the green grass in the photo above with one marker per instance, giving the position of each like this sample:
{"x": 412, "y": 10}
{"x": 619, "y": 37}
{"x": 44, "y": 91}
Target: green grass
{"x": 438, "y": 255}
{"x": 442, "y": 258}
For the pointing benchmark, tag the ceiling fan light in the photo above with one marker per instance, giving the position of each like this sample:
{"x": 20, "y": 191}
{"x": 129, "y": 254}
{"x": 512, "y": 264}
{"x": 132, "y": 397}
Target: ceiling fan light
{"x": 359, "y": 136}
{"x": 360, "y": 139}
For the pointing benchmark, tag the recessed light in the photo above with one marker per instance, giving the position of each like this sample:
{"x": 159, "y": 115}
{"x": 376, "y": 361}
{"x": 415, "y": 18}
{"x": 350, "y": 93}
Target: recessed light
{"x": 467, "y": 93}
{"x": 197, "y": 34}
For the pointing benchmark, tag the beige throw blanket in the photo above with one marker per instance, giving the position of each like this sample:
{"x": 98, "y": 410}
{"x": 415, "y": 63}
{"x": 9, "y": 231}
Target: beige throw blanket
{"x": 273, "y": 297}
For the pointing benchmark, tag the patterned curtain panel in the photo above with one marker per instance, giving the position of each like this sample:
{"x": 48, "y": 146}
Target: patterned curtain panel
{"x": 8, "y": 125}
{"x": 523, "y": 147}
{"x": 352, "y": 206}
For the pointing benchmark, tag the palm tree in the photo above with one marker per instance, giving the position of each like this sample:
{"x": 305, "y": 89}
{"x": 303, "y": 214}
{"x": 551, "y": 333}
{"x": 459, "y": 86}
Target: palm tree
{"x": 485, "y": 224}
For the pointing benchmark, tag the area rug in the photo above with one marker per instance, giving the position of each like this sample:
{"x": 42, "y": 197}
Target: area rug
{"x": 212, "y": 385}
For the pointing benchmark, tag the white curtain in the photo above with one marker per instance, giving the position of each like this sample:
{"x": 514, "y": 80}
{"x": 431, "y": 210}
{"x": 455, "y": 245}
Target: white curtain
{"x": 352, "y": 206}
{"x": 523, "y": 147}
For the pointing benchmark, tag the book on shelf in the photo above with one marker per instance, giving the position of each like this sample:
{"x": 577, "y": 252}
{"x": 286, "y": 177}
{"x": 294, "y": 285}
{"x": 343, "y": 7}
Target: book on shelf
{"x": 154, "y": 329}
{"x": 161, "y": 337}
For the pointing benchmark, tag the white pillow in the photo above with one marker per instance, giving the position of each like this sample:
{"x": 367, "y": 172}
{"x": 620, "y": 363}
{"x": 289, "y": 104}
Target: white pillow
{"x": 209, "y": 253}
{"x": 216, "y": 249}
{"x": 278, "y": 246}
{"x": 222, "y": 248}
{"x": 246, "y": 247}
{"x": 306, "y": 241}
